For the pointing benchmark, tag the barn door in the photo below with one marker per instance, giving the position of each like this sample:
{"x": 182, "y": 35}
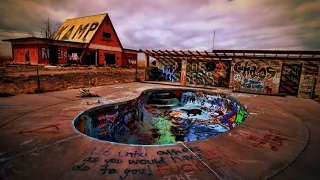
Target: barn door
{"x": 290, "y": 78}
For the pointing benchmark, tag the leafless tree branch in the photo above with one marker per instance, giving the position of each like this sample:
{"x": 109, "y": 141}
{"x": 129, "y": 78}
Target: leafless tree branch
{"x": 48, "y": 31}
{"x": 31, "y": 34}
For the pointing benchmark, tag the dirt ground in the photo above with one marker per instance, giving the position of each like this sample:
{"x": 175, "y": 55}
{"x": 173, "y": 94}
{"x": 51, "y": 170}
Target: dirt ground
{"x": 17, "y": 79}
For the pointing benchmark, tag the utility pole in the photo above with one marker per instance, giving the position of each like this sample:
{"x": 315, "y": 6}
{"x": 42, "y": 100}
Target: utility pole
{"x": 214, "y": 34}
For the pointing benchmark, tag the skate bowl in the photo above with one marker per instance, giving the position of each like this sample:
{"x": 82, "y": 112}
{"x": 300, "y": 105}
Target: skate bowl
{"x": 56, "y": 137}
{"x": 163, "y": 117}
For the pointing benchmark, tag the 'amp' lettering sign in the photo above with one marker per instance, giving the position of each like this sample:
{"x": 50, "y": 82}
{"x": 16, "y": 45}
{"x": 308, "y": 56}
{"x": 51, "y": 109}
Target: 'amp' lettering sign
{"x": 73, "y": 33}
{"x": 62, "y": 54}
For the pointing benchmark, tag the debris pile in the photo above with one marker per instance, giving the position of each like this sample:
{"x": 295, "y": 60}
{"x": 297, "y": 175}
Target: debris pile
{"x": 86, "y": 93}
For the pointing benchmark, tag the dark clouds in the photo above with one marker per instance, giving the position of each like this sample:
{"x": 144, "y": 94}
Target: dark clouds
{"x": 180, "y": 24}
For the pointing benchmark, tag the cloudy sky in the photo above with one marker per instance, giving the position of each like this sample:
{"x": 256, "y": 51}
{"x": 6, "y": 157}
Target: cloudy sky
{"x": 179, "y": 24}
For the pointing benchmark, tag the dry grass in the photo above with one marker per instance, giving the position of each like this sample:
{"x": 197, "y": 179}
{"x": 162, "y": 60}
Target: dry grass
{"x": 8, "y": 90}
{"x": 34, "y": 89}
{"x": 4, "y": 60}
{"x": 141, "y": 64}
{"x": 22, "y": 78}
{"x": 5, "y": 57}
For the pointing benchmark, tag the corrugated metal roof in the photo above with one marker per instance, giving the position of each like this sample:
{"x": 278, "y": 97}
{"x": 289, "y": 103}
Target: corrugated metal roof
{"x": 80, "y": 29}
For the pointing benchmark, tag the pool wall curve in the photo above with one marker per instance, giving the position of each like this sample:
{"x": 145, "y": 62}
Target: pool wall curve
{"x": 163, "y": 116}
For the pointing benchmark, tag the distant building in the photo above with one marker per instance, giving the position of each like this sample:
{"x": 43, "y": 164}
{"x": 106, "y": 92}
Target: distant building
{"x": 90, "y": 40}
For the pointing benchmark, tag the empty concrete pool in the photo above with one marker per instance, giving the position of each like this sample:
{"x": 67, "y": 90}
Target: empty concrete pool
{"x": 163, "y": 116}
{"x": 44, "y": 144}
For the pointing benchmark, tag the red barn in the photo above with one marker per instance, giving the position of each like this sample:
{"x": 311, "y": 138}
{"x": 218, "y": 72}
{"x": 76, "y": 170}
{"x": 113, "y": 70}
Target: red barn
{"x": 90, "y": 40}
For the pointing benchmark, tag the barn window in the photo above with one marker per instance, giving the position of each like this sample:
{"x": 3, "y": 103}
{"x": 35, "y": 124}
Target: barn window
{"x": 106, "y": 35}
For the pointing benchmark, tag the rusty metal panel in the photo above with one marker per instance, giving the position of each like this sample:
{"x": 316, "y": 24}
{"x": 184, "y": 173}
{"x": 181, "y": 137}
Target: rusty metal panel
{"x": 80, "y": 29}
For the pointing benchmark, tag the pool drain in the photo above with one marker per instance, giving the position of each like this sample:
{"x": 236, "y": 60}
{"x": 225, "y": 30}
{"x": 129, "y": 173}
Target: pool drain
{"x": 179, "y": 132}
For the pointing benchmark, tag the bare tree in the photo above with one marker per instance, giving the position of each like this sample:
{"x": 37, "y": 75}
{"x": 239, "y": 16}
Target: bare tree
{"x": 47, "y": 33}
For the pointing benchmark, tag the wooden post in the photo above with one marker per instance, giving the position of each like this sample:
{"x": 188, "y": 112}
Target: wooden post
{"x": 183, "y": 80}
{"x": 38, "y": 80}
{"x": 137, "y": 69}
{"x": 146, "y": 59}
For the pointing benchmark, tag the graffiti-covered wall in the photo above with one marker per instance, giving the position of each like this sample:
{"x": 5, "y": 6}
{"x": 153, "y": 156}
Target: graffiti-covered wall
{"x": 261, "y": 76}
{"x": 165, "y": 71}
{"x": 213, "y": 73}
{"x": 44, "y": 54}
{"x": 308, "y": 79}
{"x": 197, "y": 73}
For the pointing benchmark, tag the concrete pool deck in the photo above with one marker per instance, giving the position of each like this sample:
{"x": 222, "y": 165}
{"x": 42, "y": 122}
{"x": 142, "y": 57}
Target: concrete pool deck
{"x": 38, "y": 141}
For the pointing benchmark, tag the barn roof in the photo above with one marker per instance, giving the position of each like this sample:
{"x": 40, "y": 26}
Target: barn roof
{"x": 80, "y": 29}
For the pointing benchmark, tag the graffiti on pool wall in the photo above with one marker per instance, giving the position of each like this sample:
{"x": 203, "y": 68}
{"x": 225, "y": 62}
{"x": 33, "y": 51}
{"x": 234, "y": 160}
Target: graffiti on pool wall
{"x": 110, "y": 124}
{"x": 240, "y": 116}
{"x": 164, "y": 117}
{"x": 117, "y": 124}
{"x": 205, "y": 116}
{"x": 85, "y": 125}
{"x": 261, "y": 76}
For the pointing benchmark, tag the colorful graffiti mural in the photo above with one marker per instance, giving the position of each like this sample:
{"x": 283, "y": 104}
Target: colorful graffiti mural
{"x": 164, "y": 73}
{"x": 199, "y": 73}
{"x": 260, "y": 76}
{"x": 168, "y": 74}
{"x": 209, "y": 73}
{"x": 163, "y": 117}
